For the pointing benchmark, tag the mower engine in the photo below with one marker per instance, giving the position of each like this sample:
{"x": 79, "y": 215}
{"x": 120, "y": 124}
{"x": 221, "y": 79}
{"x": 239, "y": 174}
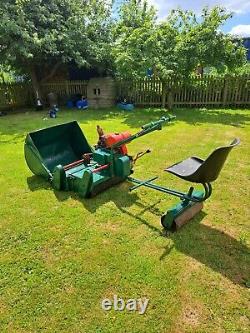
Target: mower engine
{"x": 108, "y": 140}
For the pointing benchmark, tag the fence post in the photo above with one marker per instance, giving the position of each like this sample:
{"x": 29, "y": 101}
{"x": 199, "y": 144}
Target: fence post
{"x": 225, "y": 91}
{"x": 171, "y": 89}
{"x": 170, "y": 99}
{"x": 164, "y": 93}
{"x": 67, "y": 88}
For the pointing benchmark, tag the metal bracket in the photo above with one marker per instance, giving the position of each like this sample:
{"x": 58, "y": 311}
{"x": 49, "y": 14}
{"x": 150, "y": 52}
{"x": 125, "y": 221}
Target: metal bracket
{"x": 141, "y": 184}
{"x": 193, "y": 196}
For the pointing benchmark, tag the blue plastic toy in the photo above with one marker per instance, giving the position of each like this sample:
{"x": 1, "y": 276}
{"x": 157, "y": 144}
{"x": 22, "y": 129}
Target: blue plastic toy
{"x": 126, "y": 106}
{"x": 82, "y": 104}
{"x": 53, "y": 112}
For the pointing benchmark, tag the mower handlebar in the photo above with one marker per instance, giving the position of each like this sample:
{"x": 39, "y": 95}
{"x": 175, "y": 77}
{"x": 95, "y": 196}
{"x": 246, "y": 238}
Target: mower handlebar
{"x": 147, "y": 128}
{"x": 158, "y": 123}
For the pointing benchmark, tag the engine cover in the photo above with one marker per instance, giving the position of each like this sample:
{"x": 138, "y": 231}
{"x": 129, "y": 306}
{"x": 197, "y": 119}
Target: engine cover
{"x": 113, "y": 138}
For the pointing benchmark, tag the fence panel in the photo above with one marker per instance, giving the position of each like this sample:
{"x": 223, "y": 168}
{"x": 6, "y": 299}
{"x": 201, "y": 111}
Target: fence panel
{"x": 144, "y": 92}
{"x": 14, "y": 95}
{"x": 199, "y": 92}
{"x": 65, "y": 89}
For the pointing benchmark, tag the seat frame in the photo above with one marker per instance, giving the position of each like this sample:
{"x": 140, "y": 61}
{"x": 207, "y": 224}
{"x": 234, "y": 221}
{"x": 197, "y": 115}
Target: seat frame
{"x": 192, "y": 201}
{"x": 201, "y": 175}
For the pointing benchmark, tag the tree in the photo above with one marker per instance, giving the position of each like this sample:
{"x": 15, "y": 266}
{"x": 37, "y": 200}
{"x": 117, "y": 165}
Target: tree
{"x": 175, "y": 46}
{"x": 197, "y": 42}
{"x": 39, "y": 34}
{"x": 7, "y": 74}
{"x": 132, "y": 35}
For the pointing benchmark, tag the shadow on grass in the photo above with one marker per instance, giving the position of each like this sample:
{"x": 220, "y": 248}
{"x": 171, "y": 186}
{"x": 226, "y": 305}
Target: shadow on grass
{"x": 210, "y": 246}
{"x": 213, "y": 248}
{"x": 212, "y": 116}
{"x": 118, "y": 194}
{"x": 21, "y": 124}
{"x": 36, "y": 183}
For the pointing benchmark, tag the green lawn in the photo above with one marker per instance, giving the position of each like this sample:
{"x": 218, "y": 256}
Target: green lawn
{"x": 61, "y": 255}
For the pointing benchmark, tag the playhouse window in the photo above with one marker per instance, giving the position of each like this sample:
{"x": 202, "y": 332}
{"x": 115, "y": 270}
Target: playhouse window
{"x": 97, "y": 91}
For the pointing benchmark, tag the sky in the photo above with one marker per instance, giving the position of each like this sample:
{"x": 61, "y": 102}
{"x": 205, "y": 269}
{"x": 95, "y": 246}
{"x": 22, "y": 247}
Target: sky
{"x": 238, "y": 25}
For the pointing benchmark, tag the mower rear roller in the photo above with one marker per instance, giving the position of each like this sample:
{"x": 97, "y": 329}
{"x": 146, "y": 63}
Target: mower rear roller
{"x": 179, "y": 215}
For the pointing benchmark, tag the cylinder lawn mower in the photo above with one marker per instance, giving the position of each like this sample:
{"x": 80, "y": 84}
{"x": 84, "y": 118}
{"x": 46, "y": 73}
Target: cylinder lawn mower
{"x": 62, "y": 155}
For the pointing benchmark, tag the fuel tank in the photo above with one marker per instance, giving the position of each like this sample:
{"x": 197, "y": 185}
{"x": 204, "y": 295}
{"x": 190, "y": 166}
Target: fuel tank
{"x": 113, "y": 138}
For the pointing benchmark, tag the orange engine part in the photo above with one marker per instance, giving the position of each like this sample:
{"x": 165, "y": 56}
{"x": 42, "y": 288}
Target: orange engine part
{"x": 113, "y": 138}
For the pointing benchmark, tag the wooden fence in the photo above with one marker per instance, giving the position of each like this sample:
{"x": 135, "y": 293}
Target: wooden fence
{"x": 147, "y": 92}
{"x": 65, "y": 89}
{"x": 208, "y": 91}
{"x": 18, "y": 95}
{"x": 14, "y": 95}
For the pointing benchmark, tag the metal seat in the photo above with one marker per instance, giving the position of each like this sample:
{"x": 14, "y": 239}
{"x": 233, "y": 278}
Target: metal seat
{"x": 196, "y": 170}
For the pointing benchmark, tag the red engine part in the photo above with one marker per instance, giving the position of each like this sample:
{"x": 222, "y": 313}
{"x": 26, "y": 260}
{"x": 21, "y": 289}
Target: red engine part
{"x": 113, "y": 138}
